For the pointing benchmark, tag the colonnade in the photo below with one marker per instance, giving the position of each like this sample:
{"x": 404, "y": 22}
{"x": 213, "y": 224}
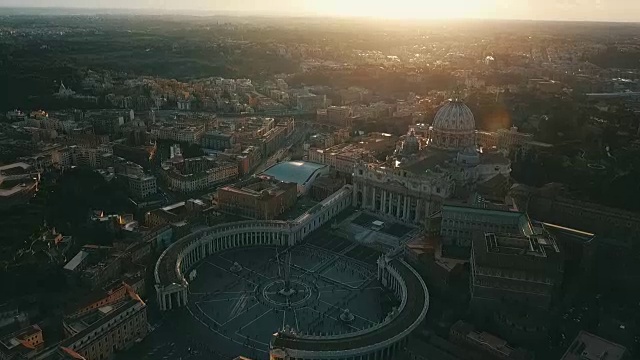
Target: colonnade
{"x": 383, "y": 353}
{"x": 387, "y": 349}
{"x": 400, "y": 206}
{"x": 171, "y": 289}
{"x": 180, "y": 257}
{"x": 390, "y": 278}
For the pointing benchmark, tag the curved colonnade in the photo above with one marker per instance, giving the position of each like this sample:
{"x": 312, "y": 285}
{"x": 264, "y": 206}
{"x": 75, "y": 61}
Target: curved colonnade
{"x": 381, "y": 341}
{"x": 174, "y": 263}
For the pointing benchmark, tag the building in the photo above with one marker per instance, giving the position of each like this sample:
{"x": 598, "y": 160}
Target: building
{"x": 217, "y": 140}
{"x": 207, "y": 172}
{"x": 87, "y": 156}
{"x": 443, "y": 273}
{"x": 506, "y": 139}
{"x": 94, "y": 266}
{"x": 461, "y": 220}
{"x": 324, "y": 186}
{"x": 413, "y": 187}
{"x": 191, "y": 210}
{"x": 109, "y": 295}
{"x": 18, "y": 183}
{"x": 141, "y": 186}
{"x": 98, "y": 332}
{"x": 301, "y": 173}
{"x": 11, "y": 318}
{"x": 258, "y": 198}
{"x": 550, "y": 204}
{"x": 587, "y": 346}
{"x": 343, "y": 158}
{"x": 340, "y": 116}
{"x": 514, "y": 280}
{"x": 138, "y": 154}
{"x": 22, "y": 344}
{"x": 310, "y": 103}
{"x": 288, "y": 124}
{"x": 188, "y": 134}
{"x": 248, "y": 159}
{"x": 132, "y": 175}
{"x": 491, "y": 346}
{"x": 515, "y": 268}
{"x": 453, "y": 126}
{"x": 184, "y": 105}
{"x": 511, "y": 137}
{"x": 62, "y": 158}
{"x": 273, "y": 140}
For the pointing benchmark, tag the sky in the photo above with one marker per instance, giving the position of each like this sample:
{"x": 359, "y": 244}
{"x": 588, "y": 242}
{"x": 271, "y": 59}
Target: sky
{"x": 590, "y": 10}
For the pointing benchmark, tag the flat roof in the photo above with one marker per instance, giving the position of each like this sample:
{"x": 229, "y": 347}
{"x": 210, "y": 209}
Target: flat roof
{"x": 77, "y": 260}
{"x": 587, "y": 346}
{"x": 22, "y": 165}
{"x": 299, "y": 172}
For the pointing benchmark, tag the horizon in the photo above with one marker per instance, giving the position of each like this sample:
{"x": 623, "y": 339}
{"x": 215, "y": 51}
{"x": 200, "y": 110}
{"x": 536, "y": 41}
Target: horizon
{"x": 92, "y": 11}
{"x": 404, "y": 10}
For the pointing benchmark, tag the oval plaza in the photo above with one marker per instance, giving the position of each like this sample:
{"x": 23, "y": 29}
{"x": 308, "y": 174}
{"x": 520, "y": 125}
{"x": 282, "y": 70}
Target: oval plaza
{"x": 175, "y": 271}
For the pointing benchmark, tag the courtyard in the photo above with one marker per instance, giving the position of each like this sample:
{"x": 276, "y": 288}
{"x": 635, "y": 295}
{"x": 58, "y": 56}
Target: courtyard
{"x": 240, "y": 297}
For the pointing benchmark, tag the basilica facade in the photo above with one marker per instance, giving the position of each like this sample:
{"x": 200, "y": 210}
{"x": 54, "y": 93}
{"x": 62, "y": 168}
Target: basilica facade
{"x": 428, "y": 169}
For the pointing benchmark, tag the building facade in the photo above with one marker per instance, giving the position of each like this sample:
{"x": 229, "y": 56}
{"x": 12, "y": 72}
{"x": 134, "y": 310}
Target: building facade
{"x": 189, "y": 134}
{"x": 100, "y": 333}
{"x": 260, "y": 199}
{"x": 514, "y": 280}
{"x": 414, "y": 184}
{"x": 22, "y": 344}
{"x": 217, "y": 140}
{"x": 142, "y": 186}
{"x": 515, "y": 268}
{"x": 221, "y": 172}
{"x": 460, "y": 221}
{"x": 398, "y": 194}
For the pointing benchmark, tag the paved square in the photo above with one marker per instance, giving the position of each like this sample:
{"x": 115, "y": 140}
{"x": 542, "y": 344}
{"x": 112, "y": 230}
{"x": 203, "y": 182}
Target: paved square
{"x": 237, "y": 295}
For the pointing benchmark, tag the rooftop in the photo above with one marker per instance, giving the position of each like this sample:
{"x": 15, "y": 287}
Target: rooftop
{"x": 299, "y": 172}
{"x": 537, "y": 252}
{"x": 259, "y": 187}
{"x": 488, "y": 341}
{"x": 80, "y": 257}
{"x": 100, "y": 317}
{"x": 494, "y": 158}
{"x": 587, "y": 346}
{"x": 14, "y": 169}
{"x": 432, "y": 159}
{"x": 16, "y": 342}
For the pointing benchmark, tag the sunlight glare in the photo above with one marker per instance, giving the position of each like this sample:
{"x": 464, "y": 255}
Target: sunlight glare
{"x": 406, "y": 9}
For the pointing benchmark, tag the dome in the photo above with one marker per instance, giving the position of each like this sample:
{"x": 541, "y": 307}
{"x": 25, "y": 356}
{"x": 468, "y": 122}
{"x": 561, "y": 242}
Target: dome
{"x": 453, "y": 127}
{"x": 410, "y": 145}
{"x": 454, "y": 116}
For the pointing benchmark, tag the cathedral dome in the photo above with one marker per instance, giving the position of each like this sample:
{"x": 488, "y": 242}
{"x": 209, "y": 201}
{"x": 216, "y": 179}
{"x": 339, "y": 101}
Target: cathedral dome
{"x": 454, "y": 116}
{"x": 410, "y": 145}
{"x": 453, "y": 127}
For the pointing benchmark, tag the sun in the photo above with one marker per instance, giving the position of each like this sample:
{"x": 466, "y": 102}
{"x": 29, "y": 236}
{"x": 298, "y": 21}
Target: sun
{"x": 404, "y": 9}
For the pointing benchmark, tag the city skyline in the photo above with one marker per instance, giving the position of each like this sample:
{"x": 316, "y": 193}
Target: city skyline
{"x": 319, "y": 179}
{"x": 568, "y": 10}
